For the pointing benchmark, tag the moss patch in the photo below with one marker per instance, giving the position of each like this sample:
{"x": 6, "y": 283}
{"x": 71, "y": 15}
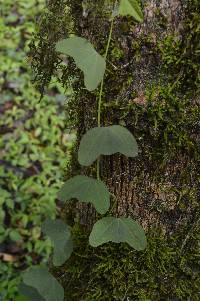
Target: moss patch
{"x": 167, "y": 270}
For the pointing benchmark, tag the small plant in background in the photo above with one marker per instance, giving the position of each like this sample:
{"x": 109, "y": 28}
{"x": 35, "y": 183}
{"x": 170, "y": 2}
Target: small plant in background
{"x": 38, "y": 283}
{"x": 33, "y": 150}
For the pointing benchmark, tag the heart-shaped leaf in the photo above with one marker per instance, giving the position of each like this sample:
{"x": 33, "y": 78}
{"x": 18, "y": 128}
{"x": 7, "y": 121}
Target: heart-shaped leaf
{"x": 30, "y": 293}
{"x": 118, "y": 230}
{"x": 46, "y": 285}
{"x": 60, "y": 236}
{"x": 131, "y": 8}
{"x": 86, "y": 189}
{"x": 86, "y": 58}
{"x": 106, "y": 141}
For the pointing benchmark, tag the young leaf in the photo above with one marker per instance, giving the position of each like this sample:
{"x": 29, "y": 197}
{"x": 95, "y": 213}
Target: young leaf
{"x": 86, "y": 189}
{"x": 118, "y": 230}
{"x": 132, "y": 8}
{"x": 60, "y": 236}
{"x": 45, "y": 284}
{"x": 106, "y": 141}
{"x": 86, "y": 58}
{"x": 30, "y": 293}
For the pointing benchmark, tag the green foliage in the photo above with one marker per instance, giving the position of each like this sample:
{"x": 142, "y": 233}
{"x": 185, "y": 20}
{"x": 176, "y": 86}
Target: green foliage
{"x": 30, "y": 293}
{"x": 45, "y": 284}
{"x": 86, "y": 58}
{"x": 34, "y": 147}
{"x": 106, "y": 141}
{"x": 100, "y": 141}
{"x": 60, "y": 236}
{"x": 118, "y": 230}
{"x": 86, "y": 189}
{"x": 131, "y": 8}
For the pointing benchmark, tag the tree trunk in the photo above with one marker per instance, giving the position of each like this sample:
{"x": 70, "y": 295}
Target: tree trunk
{"x": 151, "y": 87}
{"x": 146, "y": 187}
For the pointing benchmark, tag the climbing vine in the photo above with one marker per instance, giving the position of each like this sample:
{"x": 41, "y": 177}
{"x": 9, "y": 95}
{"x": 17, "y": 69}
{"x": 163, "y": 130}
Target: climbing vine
{"x": 38, "y": 283}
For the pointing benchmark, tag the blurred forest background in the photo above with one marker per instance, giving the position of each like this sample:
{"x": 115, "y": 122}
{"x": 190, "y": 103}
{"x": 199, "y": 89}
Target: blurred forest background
{"x": 33, "y": 148}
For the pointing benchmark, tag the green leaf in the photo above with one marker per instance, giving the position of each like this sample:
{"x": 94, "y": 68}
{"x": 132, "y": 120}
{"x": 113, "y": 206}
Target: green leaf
{"x": 15, "y": 235}
{"x": 60, "y": 236}
{"x": 86, "y": 189}
{"x": 106, "y": 141}
{"x": 30, "y": 293}
{"x": 131, "y": 8}
{"x": 86, "y": 58}
{"x": 21, "y": 298}
{"x": 45, "y": 284}
{"x": 118, "y": 230}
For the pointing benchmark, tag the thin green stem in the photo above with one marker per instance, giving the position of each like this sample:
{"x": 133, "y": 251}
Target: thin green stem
{"x": 98, "y": 169}
{"x": 114, "y": 203}
{"x": 101, "y": 92}
{"x": 102, "y": 82}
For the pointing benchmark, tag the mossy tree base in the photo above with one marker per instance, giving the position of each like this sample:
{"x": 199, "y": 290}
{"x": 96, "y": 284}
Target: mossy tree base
{"x": 166, "y": 271}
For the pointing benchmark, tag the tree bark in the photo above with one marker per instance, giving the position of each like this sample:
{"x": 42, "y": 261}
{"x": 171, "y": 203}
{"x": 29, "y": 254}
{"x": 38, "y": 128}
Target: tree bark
{"x": 147, "y": 187}
{"x": 152, "y": 88}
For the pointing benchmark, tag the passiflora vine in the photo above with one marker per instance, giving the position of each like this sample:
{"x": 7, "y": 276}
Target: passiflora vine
{"x": 38, "y": 283}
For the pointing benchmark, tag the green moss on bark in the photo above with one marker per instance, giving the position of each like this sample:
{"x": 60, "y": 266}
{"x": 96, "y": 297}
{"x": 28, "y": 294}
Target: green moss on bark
{"x": 167, "y": 270}
{"x": 163, "y": 113}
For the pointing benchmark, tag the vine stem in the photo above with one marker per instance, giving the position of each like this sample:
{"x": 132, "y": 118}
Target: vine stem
{"x": 102, "y": 82}
{"x": 101, "y": 92}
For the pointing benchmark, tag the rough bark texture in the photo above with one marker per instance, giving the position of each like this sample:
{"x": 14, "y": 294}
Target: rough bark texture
{"x": 132, "y": 180}
{"x": 152, "y": 88}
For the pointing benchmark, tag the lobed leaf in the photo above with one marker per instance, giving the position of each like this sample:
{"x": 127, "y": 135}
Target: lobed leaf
{"x": 60, "y": 236}
{"x": 131, "y": 8}
{"x": 45, "y": 284}
{"x": 106, "y": 141}
{"x": 86, "y": 58}
{"x": 118, "y": 230}
{"x": 86, "y": 189}
{"x": 30, "y": 293}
